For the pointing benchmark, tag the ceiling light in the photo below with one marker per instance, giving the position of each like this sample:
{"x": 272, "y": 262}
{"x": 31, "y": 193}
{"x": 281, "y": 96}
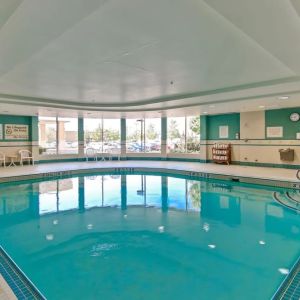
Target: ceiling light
{"x": 283, "y": 97}
{"x": 205, "y": 112}
{"x": 261, "y": 106}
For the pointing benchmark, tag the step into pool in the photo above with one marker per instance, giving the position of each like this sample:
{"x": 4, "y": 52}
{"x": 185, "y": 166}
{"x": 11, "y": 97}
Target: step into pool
{"x": 135, "y": 236}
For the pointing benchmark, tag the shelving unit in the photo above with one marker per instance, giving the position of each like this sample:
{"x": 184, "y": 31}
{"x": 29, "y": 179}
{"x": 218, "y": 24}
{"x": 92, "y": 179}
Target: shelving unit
{"x": 221, "y": 153}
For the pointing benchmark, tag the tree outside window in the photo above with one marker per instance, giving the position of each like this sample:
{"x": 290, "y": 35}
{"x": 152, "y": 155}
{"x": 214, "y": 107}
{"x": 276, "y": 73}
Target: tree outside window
{"x": 183, "y": 135}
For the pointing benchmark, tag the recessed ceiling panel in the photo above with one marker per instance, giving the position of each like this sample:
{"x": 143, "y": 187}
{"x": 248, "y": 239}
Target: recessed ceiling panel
{"x": 135, "y": 50}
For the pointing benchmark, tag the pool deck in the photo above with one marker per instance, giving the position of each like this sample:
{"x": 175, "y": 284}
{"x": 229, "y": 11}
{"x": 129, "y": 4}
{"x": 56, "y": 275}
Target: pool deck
{"x": 274, "y": 174}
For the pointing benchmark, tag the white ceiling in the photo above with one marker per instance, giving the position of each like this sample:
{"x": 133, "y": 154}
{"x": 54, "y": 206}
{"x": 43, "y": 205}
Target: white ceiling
{"x": 115, "y": 57}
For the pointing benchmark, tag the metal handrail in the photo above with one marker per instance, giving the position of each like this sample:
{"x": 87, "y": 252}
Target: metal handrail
{"x": 298, "y": 174}
{"x": 291, "y": 198}
{"x": 275, "y": 197}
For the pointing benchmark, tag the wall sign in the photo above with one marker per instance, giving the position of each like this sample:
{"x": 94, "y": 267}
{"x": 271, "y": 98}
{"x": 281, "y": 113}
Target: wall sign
{"x": 275, "y": 132}
{"x": 16, "y": 132}
{"x": 223, "y": 132}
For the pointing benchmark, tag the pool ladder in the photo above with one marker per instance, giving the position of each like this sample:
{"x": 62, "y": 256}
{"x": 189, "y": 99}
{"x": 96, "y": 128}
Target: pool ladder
{"x": 290, "y": 200}
{"x": 298, "y": 174}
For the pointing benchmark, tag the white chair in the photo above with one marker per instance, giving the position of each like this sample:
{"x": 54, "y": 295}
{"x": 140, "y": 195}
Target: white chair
{"x": 115, "y": 152}
{"x": 2, "y": 159}
{"x": 26, "y": 155}
{"x": 91, "y": 153}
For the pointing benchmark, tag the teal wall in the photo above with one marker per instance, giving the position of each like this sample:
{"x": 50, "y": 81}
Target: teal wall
{"x": 22, "y": 120}
{"x": 281, "y": 117}
{"x": 80, "y": 129}
{"x": 34, "y": 129}
{"x": 230, "y": 120}
{"x": 203, "y": 127}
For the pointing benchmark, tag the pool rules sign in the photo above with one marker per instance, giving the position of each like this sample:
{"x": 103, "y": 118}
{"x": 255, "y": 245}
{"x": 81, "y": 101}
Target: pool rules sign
{"x": 16, "y": 132}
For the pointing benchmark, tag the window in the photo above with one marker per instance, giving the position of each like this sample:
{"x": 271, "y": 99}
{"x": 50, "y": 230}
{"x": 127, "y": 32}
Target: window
{"x": 193, "y": 134}
{"x": 103, "y": 135}
{"x": 143, "y": 135}
{"x": 58, "y": 135}
{"x": 67, "y": 136}
{"x": 112, "y": 135}
{"x": 47, "y": 135}
{"x": 153, "y": 135}
{"x": 184, "y": 135}
{"x": 93, "y": 134}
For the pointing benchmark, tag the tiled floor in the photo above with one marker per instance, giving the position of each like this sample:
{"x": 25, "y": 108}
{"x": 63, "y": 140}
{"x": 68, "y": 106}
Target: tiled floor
{"x": 234, "y": 170}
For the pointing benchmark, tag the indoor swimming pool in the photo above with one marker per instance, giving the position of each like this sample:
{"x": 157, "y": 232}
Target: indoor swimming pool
{"x": 133, "y": 236}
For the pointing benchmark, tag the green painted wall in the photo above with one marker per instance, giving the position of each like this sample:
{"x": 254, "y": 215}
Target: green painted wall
{"x": 22, "y": 120}
{"x": 34, "y": 129}
{"x": 230, "y": 120}
{"x": 281, "y": 117}
{"x": 203, "y": 127}
{"x": 80, "y": 129}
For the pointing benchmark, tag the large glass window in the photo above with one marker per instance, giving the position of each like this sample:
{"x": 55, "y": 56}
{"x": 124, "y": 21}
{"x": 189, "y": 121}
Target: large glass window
{"x": 183, "y": 135}
{"x": 143, "y": 135}
{"x": 192, "y": 134}
{"x": 67, "y": 136}
{"x": 103, "y": 135}
{"x": 176, "y": 135}
{"x": 58, "y": 135}
{"x": 111, "y": 135}
{"x": 93, "y": 134}
{"x": 47, "y": 135}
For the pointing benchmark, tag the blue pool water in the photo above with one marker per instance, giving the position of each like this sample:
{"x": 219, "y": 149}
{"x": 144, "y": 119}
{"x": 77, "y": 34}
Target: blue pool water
{"x": 148, "y": 237}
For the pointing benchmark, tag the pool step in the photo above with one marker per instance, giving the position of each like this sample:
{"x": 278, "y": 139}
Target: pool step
{"x": 290, "y": 287}
{"x": 19, "y": 284}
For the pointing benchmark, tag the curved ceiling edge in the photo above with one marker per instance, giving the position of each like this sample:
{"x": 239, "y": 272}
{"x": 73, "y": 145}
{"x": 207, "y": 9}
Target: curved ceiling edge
{"x": 93, "y": 105}
{"x": 138, "y": 108}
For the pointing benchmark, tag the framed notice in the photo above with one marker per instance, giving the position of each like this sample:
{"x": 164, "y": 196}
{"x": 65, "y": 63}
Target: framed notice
{"x": 223, "y": 132}
{"x": 275, "y": 132}
{"x": 16, "y": 132}
{"x": 1, "y": 132}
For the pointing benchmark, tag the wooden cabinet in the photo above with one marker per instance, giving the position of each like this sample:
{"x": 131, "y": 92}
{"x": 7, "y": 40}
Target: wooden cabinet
{"x": 221, "y": 153}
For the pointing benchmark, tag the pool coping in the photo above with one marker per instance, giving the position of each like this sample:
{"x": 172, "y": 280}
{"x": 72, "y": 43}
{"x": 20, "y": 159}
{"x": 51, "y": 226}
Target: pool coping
{"x": 118, "y": 169}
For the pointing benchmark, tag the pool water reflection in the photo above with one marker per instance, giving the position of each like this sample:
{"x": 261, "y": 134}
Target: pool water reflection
{"x": 148, "y": 237}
